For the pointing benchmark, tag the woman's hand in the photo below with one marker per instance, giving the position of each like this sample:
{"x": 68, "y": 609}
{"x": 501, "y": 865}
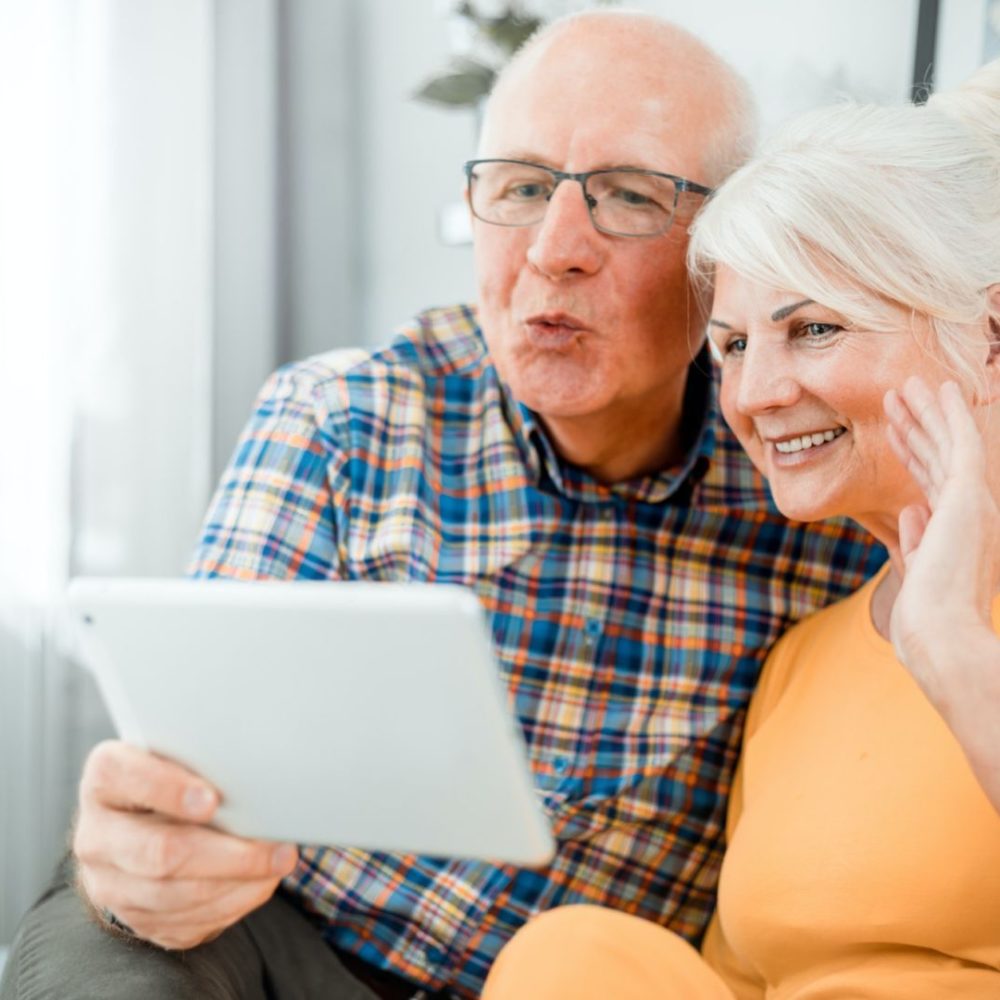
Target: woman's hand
{"x": 941, "y": 623}
{"x": 950, "y": 544}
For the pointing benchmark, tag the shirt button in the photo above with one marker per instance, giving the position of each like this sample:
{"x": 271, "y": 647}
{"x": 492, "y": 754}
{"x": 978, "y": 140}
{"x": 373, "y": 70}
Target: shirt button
{"x": 560, "y": 765}
{"x": 591, "y": 631}
{"x": 607, "y": 513}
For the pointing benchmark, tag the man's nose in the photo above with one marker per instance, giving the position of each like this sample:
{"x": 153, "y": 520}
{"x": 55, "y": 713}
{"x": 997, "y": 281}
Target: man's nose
{"x": 565, "y": 241}
{"x": 767, "y": 379}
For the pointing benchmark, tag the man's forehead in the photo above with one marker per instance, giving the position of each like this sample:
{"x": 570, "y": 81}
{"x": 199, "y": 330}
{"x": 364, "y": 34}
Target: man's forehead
{"x": 641, "y": 58}
{"x": 653, "y": 132}
{"x": 607, "y": 91}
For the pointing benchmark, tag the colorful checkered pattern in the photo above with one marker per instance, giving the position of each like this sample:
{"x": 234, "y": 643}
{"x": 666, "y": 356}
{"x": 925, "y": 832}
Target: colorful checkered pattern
{"x": 630, "y": 623}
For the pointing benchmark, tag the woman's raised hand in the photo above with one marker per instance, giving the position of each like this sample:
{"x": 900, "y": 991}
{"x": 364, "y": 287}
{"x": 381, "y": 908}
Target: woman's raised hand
{"x": 950, "y": 546}
{"x": 950, "y": 542}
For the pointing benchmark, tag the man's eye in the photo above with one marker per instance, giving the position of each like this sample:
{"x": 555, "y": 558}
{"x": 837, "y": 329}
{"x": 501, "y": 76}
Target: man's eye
{"x": 633, "y": 198}
{"x": 527, "y": 192}
{"x": 630, "y": 198}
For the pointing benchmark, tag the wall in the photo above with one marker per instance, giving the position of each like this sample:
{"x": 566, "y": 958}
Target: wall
{"x": 413, "y": 155}
{"x": 132, "y": 280}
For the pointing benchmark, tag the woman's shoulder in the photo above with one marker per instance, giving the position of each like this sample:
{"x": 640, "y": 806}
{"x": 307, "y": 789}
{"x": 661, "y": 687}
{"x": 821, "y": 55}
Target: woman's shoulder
{"x": 836, "y": 628}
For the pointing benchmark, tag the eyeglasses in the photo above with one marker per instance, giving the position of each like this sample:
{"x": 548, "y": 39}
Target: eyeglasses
{"x": 624, "y": 201}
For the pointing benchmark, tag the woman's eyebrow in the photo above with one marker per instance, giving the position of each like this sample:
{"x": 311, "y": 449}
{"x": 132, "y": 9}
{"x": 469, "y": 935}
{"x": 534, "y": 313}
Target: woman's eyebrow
{"x": 785, "y": 311}
{"x": 779, "y": 314}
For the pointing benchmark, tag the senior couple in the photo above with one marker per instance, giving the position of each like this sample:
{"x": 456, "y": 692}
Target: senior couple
{"x": 571, "y": 451}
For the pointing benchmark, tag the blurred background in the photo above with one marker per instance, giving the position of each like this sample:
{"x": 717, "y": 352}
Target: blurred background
{"x": 195, "y": 191}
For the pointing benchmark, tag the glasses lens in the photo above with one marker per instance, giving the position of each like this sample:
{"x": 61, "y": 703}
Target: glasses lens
{"x": 632, "y": 203}
{"x": 510, "y": 194}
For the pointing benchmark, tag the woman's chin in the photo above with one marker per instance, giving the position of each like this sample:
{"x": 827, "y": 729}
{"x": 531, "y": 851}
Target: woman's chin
{"x": 803, "y": 508}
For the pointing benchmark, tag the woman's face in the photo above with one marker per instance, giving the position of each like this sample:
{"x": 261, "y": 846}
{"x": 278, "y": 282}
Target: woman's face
{"x": 802, "y": 390}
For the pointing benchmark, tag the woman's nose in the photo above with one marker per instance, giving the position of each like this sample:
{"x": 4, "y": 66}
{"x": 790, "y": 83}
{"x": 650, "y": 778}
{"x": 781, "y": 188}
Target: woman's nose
{"x": 767, "y": 379}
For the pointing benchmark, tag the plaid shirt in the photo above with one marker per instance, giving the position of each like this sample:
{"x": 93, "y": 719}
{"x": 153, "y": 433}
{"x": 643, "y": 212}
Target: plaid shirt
{"x": 630, "y": 622}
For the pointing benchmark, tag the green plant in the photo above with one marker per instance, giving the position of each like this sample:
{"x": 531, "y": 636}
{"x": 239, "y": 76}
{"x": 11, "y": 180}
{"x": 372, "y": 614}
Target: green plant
{"x": 484, "y": 36}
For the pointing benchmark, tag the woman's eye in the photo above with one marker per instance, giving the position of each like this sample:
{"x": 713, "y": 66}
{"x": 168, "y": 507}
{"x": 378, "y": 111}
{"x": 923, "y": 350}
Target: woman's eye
{"x": 817, "y": 331}
{"x": 735, "y": 345}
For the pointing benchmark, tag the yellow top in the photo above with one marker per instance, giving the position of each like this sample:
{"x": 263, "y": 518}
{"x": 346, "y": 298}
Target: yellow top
{"x": 864, "y": 858}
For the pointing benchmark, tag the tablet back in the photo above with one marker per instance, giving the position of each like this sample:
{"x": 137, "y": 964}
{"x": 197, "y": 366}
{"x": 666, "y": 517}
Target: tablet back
{"x": 349, "y": 714}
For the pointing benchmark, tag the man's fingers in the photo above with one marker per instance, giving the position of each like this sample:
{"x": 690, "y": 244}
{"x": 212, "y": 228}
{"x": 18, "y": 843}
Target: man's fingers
{"x": 181, "y": 914}
{"x": 130, "y": 896}
{"x": 119, "y": 776}
{"x": 148, "y": 846}
{"x": 144, "y": 854}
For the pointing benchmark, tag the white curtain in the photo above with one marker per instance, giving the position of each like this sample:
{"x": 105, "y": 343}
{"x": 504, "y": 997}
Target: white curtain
{"x": 106, "y": 261}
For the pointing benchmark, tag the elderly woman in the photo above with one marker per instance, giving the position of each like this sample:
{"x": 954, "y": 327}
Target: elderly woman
{"x": 856, "y": 318}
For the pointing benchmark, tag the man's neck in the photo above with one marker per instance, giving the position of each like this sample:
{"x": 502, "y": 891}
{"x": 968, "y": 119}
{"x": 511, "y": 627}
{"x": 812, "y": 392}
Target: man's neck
{"x": 625, "y": 445}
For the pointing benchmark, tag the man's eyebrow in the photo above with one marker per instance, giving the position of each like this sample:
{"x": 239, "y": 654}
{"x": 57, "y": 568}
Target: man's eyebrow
{"x": 526, "y": 156}
{"x": 785, "y": 311}
{"x": 718, "y": 322}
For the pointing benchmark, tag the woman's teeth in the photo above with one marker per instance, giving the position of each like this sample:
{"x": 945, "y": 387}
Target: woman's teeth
{"x": 807, "y": 441}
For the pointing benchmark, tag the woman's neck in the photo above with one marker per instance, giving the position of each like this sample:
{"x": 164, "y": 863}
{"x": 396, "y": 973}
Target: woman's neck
{"x": 884, "y": 598}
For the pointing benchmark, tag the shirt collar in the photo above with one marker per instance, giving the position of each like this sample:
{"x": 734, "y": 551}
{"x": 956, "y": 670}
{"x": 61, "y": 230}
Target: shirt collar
{"x": 550, "y": 472}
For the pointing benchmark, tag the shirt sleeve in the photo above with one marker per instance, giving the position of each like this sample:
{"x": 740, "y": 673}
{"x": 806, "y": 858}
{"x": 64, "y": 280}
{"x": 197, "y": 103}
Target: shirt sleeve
{"x": 273, "y": 513}
{"x": 741, "y": 977}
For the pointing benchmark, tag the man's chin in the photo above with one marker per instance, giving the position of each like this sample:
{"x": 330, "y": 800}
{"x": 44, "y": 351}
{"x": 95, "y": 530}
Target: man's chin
{"x": 555, "y": 398}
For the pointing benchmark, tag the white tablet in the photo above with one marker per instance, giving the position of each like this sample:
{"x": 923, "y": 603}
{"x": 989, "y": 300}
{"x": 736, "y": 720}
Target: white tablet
{"x": 350, "y": 714}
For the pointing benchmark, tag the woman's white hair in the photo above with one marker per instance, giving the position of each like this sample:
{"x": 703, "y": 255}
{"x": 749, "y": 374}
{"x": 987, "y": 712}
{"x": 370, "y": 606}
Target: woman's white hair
{"x": 860, "y": 206}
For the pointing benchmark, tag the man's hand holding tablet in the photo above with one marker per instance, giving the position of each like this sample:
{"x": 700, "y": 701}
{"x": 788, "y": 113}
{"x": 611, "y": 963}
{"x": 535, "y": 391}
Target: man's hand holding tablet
{"x": 147, "y": 858}
{"x": 384, "y": 701}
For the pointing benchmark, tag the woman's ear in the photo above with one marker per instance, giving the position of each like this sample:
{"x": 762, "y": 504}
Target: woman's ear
{"x": 992, "y": 373}
{"x": 993, "y": 318}
{"x": 993, "y": 324}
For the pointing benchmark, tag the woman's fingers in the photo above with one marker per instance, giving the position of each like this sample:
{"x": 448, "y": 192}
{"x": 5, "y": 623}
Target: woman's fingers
{"x": 933, "y": 434}
{"x": 913, "y": 522}
{"x": 967, "y": 441}
{"x": 910, "y": 461}
{"x": 924, "y": 405}
{"x": 919, "y": 422}
{"x": 913, "y": 447}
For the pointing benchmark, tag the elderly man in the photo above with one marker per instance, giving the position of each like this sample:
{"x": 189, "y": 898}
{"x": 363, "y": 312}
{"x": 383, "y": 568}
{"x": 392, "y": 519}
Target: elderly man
{"x": 560, "y": 452}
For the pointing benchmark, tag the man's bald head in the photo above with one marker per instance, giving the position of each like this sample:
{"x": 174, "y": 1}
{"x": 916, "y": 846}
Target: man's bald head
{"x": 663, "y": 63}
